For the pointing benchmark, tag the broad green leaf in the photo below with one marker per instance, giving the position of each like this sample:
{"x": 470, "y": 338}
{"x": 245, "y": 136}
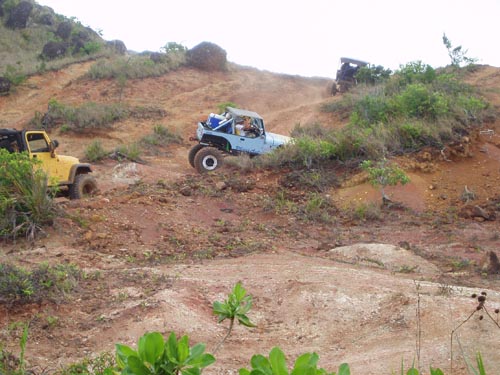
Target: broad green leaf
{"x": 122, "y": 354}
{"x": 196, "y": 352}
{"x": 412, "y": 371}
{"x": 303, "y": 360}
{"x": 183, "y": 349}
{"x": 219, "y": 308}
{"x": 136, "y": 365}
{"x": 244, "y": 371}
{"x": 436, "y": 371}
{"x": 246, "y": 306}
{"x": 243, "y": 319}
{"x": 239, "y": 292}
{"x": 278, "y": 361}
{"x": 259, "y": 361}
{"x": 151, "y": 347}
{"x": 344, "y": 369}
{"x": 191, "y": 371}
{"x": 172, "y": 348}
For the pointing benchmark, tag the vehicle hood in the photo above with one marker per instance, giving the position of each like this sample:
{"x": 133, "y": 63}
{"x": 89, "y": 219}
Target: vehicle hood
{"x": 278, "y": 139}
{"x": 68, "y": 160}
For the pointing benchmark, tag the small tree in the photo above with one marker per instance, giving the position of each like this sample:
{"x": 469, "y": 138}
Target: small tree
{"x": 457, "y": 55}
{"x": 173, "y": 47}
{"x": 384, "y": 174}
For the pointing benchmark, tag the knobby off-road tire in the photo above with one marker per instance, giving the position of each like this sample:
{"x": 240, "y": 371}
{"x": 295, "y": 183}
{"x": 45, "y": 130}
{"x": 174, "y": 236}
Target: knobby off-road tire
{"x": 192, "y": 153}
{"x": 208, "y": 159}
{"x": 84, "y": 185}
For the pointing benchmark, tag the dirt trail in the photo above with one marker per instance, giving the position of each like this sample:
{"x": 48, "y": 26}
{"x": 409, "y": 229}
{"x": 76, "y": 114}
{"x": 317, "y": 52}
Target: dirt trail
{"x": 167, "y": 242}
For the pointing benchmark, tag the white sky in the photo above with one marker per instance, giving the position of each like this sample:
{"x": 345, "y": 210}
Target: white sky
{"x": 304, "y": 37}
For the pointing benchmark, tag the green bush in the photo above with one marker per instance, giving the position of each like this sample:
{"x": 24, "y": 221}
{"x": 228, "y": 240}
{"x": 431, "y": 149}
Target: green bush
{"x": 26, "y": 205}
{"x": 95, "y": 152}
{"x": 161, "y": 136}
{"x": 89, "y": 115}
{"x": 131, "y": 151}
{"x": 18, "y": 285}
{"x": 156, "y": 356}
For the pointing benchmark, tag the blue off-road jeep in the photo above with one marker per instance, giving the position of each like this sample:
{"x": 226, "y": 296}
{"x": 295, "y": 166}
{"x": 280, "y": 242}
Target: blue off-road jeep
{"x": 224, "y": 134}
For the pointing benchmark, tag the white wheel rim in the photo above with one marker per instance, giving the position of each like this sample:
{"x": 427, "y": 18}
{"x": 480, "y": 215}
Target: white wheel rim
{"x": 209, "y": 162}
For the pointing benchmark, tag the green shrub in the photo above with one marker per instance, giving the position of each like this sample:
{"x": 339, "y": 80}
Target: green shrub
{"x": 161, "y": 136}
{"x": 18, "y": 285}
{"x": 156, "y": 356}
{"x": 26, "y": 205}
{"x": 95, "y": 152}
{"x": 131, "y": 151}
{"x": 275, "y": 364}
{"x": 372, "y": 74}
{"x": 15, "y": 74}
{"x": 89, "y": 115}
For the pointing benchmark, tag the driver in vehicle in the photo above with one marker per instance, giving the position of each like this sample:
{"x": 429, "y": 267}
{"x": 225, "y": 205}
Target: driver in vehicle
{"x": 243, "y": 127}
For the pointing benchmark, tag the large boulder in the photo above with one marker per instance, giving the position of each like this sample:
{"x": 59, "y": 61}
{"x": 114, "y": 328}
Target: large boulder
{"x": 64, "y": 30}
{"x": 118, "y": 46}
{"x": 207, "y": 56}
{"x": 4, "y": 85}
{"x": 45, "y": 19}
{"x": 19, "y": 15}
{"x": 53, "y": 50}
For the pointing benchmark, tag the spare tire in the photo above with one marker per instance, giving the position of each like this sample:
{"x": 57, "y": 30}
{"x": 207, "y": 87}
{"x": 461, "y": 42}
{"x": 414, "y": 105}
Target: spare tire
{"x": 208, "y": 159}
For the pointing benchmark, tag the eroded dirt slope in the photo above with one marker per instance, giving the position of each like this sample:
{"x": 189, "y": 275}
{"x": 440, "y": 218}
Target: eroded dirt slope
{"x": 163, "y": 243}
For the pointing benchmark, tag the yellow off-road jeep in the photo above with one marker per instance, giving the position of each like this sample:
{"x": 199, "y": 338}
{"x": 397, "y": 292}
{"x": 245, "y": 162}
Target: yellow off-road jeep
{"x": 67, "y": 172}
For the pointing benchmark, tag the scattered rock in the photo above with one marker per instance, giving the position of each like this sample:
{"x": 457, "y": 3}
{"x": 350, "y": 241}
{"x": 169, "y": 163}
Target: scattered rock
{"x": 158, "y": 57}
{"x": 186, "y": 191}
{"x": 46, "y": 19}
{"x": 474, "y": 212}
{"x": 490, "y": 263}
{"x": 53, "y": 50}
{"x": 207, "y": 56}
{"x": 64, "y": 30}
{"x": 118, "y": 46}
{"x": 19, "y": 15}
{"x": 4, "y": 85}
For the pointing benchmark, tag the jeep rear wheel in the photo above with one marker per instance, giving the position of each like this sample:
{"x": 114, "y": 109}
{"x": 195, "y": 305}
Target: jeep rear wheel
{"x": 207, "y": 159}
{"x": 84, "y": 185}
{"x": 192, "y": 153}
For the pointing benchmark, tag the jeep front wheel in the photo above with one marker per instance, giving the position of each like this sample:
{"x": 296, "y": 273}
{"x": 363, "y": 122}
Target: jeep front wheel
{"x": 84, "y": 185}
{"x": 208, "y": 159}
{"x": 192, "y": 153}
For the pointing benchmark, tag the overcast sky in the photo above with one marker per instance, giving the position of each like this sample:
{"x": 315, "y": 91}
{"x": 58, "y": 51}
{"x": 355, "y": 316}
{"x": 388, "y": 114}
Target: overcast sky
{"x": 301, "y": 37}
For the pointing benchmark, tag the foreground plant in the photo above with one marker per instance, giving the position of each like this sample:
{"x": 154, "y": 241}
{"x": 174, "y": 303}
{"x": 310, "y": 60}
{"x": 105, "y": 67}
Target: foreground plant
{"x": 25, "y": 204}
{"x": 235, "y": 307}
{"x": 275, "y": 364}
{"x": 155, "y": 356}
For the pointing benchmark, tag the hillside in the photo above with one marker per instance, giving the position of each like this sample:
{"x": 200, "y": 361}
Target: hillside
{"x": 166, "y": 242}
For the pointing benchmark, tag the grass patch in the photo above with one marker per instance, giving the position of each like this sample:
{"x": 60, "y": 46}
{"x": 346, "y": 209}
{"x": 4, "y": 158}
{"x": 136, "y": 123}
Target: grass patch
{"x": 136, "y": 66}
{"x": 21, "y": 286}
